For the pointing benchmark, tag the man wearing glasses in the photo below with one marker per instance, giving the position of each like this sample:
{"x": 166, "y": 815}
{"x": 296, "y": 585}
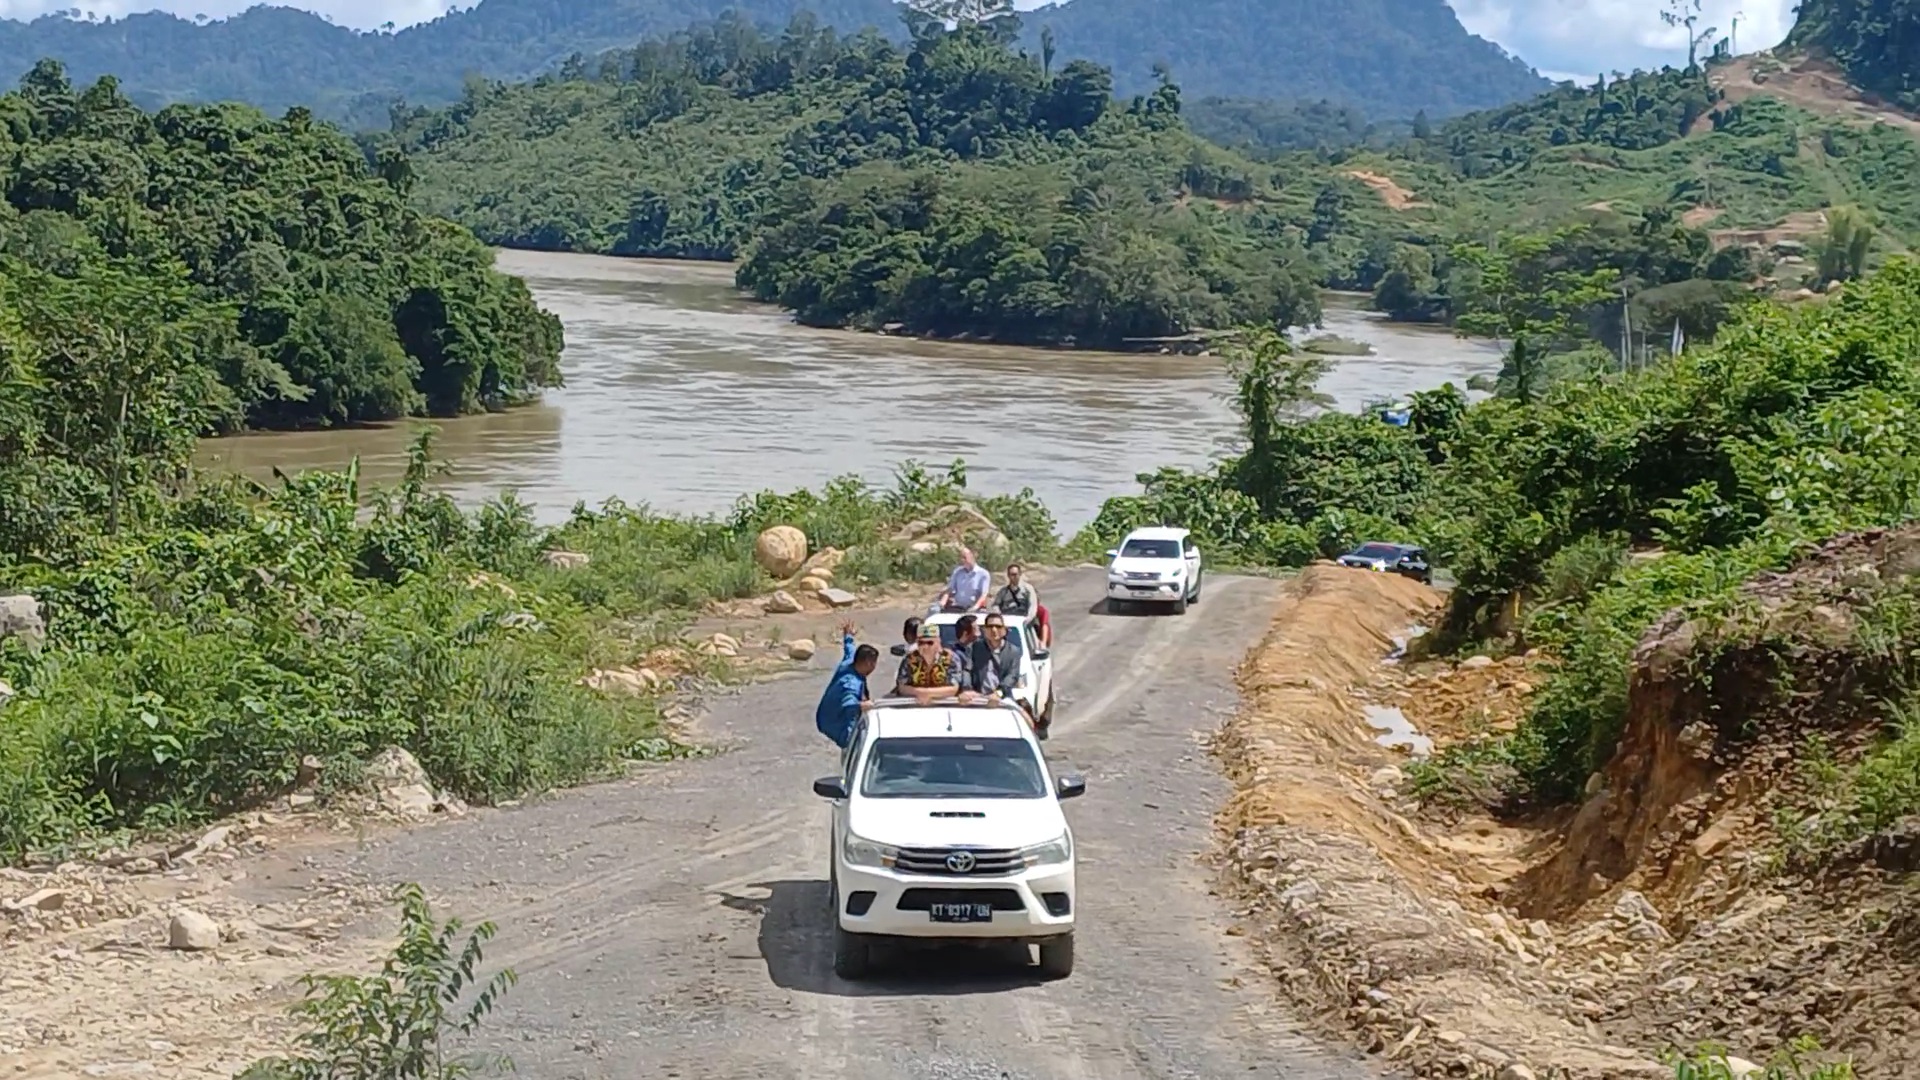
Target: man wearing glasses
{"x": 996, "y": 666}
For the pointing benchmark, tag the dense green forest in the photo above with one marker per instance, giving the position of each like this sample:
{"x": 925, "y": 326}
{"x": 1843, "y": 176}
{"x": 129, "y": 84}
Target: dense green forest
{"x": 1877, "y": 42}
{"x": 959, "y": 184}
{"x": 950, "y": 184}
{"x": 1388, "y": 58}
{"x": 256, "y": 272}
{"x": 1396, "y": 56}
{"x": 1264, "y": 129}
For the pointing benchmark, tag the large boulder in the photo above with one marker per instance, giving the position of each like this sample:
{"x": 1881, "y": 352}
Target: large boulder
{"x": 781, "y": 551}
{"x": 20, "y": 617}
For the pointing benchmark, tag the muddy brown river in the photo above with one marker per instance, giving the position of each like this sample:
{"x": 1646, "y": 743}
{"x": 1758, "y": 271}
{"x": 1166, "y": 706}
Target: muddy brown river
{"x": 683, "y": 394}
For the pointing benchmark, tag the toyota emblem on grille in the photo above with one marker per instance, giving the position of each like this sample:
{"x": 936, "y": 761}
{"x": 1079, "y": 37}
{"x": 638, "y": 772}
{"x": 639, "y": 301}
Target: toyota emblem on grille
{"x": 960, "y": 862}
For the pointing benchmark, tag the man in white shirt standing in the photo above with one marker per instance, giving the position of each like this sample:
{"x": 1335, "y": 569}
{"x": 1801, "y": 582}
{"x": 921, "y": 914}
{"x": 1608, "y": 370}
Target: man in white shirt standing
{"x": 967, "y": 586}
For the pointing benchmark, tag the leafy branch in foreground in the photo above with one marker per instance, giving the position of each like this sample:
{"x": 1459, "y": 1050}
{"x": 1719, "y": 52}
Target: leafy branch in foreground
{"x": 391, "y": 1026}
{"x": 1712, "y": 1063}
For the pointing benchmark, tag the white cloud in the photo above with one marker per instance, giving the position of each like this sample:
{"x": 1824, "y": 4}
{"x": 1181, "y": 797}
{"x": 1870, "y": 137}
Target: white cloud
{"x": 1591, "y": 36}
{"x": 1556, "y": 36}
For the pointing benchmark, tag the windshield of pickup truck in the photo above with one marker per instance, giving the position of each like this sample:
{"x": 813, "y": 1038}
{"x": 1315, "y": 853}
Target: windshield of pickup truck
{"x": 953, "y": 768}
{"x": 1380, "y": 551}
{"x": 1151, "y": 549}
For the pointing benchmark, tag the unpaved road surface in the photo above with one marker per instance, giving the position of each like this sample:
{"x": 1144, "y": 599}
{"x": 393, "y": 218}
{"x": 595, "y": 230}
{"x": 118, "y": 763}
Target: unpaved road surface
{"x": 678, "y": 925}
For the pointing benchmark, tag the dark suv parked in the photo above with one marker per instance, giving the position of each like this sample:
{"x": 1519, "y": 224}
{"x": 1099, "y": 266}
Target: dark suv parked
{"x": 1403, "y": 559}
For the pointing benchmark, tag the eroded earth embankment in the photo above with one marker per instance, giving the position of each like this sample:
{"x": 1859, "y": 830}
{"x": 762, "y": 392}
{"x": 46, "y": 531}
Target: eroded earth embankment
{"x": 1664, "y": 912}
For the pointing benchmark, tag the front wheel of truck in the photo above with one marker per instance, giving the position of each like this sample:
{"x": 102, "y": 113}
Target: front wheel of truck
{"x": 1056, "y": 957}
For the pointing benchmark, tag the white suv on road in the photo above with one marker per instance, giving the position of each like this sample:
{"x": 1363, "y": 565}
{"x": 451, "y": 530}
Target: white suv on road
{"x": 1158, "y": 565}
{"x": 947, "y": 827}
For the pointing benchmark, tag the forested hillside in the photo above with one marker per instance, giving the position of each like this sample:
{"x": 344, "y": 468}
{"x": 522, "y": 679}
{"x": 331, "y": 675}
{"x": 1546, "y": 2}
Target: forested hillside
{"x": 959, "y": 185}
{"x": 952, "y": 184}
{"x": 252, "y": 271}
{"x": 1392, "y": 56}
{"x": 1388, "y": 58}
{"x": 1876, "y": 42}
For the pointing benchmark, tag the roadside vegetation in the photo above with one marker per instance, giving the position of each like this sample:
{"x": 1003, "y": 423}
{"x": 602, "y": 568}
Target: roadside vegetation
{"x": 404, "y": 1022}
{"x": 196, "y": 655}
{"x": 1592, "y": 502}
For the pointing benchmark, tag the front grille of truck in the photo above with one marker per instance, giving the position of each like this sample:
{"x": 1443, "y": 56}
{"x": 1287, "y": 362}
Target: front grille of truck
{"x": 924, "y": 899}
{"x": 987, "y": 862}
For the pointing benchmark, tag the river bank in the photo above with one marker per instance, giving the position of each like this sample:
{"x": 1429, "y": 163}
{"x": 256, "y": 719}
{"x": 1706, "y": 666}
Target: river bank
{"x": 681, "y": 393}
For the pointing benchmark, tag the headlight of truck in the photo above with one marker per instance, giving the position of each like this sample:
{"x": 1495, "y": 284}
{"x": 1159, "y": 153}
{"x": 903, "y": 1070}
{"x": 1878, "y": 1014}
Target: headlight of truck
{"x": 1052, "y": 853}
{"x": 859, "y": 851}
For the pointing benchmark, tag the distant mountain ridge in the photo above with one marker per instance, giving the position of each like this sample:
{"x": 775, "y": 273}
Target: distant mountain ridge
{"x": 276, "y": 57}
{"x": 1388, "y": 57}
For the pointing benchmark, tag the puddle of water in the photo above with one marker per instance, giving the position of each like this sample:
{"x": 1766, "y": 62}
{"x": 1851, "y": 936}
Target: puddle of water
{"x": 1401, "y": 641}
{"x": 1396, "y": 731}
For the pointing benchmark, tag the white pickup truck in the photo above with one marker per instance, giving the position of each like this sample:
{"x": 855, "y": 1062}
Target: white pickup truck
{"x": 947, "y": 827}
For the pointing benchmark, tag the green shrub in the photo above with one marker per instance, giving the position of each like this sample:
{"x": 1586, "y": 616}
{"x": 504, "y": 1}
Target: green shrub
{"x": 396, "y": 1025}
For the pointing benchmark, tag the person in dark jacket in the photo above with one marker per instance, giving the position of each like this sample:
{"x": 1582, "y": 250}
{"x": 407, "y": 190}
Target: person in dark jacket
{"x": 846, "y": 696}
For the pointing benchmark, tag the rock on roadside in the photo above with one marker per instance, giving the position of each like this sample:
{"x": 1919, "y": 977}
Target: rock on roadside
{"x": 191, "y": 931}
{"x": 782, "y": 602}
{"x": 801, "y": 650}
{"x": 402, "y": 787}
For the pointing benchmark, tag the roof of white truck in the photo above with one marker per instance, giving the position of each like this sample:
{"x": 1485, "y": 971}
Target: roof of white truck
{"x": 907, "y": 719}
{"x": 1158, "y": 532}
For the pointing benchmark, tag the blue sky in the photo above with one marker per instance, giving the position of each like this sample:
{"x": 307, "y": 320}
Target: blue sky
{"x": 1562, "y": 38}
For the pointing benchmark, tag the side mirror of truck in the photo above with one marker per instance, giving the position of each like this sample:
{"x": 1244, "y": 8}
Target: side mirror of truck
{"x": 898, "y": 649}
{"x": 1071, "y": 787}
{"x": 830, "y": 787}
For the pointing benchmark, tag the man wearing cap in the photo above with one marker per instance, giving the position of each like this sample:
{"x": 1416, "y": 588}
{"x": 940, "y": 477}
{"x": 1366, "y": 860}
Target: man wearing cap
{"x": 930, "y": 671}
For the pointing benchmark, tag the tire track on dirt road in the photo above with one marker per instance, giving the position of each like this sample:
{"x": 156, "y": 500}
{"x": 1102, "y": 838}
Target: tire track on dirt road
{"x": 680, "y": 925}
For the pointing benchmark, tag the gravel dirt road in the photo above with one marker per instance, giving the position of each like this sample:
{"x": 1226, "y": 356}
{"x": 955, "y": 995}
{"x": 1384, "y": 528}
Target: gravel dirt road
{"x": 677, "y": 925}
